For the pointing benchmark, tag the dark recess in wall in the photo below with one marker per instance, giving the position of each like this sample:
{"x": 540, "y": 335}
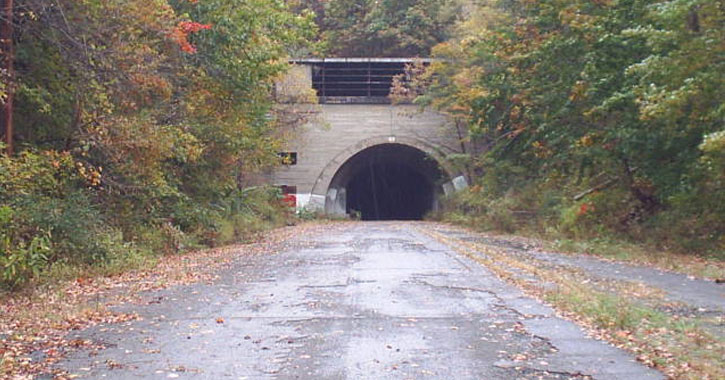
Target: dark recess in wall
{"x": 355, "y": 79}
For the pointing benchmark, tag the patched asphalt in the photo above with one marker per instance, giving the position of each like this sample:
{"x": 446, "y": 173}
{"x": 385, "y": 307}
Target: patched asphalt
{"x": 375, "y": 300}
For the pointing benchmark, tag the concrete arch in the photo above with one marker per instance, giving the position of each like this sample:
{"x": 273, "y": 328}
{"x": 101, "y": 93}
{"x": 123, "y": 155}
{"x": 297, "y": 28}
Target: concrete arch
{"x": 331, "y": 189}
{"x": 322, "y": 183}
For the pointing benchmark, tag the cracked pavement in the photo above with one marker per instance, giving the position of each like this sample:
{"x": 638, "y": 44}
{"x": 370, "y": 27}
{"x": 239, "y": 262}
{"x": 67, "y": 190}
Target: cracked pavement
{"x": 374, "y": 300}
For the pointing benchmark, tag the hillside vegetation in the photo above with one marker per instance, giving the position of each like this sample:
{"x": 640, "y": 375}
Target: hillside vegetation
{"x": 589, "y": 121}
{"x": 138, "y": 127}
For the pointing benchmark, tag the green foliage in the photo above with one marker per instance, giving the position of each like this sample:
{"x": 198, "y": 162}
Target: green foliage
{"x": 308, "y": 214}
{"x": 21, "y": 259}
{"x": 248, "y": 212}
{"x": 387, "y": 28}
{"x": 612, "y": 100}
{"x": 138, "y": 122}
{"x": 20, "y": 263}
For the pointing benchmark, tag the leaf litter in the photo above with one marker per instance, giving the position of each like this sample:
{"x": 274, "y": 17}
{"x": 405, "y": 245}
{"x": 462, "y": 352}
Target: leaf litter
{"x": 34, "y": 325}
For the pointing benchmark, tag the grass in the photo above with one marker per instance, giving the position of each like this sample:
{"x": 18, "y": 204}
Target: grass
{"x": 677, "y": 346}
{"x": 709, "y": 268}
{"x": 608, "y": 247}
{"x": 624, "y": 314}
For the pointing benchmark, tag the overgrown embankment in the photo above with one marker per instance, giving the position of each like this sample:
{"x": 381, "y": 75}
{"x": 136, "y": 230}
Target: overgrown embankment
{"x": 589, "y": 121}
{"x": 52, "y": 227}
{"x": 139, "y": 128}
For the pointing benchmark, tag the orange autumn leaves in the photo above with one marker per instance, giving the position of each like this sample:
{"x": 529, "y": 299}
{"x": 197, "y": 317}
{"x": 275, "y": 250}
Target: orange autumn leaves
{"x": 183, "y": 30}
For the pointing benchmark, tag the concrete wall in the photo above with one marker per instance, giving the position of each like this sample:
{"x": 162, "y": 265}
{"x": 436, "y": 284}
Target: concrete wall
{"x": 342, "y": 130}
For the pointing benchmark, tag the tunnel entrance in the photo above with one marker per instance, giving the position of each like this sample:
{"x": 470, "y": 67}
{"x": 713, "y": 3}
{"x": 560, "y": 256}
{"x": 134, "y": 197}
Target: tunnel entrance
{"x": 389, "y": 191}
{"x": 388, "y": 182}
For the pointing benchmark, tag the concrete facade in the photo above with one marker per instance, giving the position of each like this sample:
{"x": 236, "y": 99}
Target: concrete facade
{"x": 343, "y": 130}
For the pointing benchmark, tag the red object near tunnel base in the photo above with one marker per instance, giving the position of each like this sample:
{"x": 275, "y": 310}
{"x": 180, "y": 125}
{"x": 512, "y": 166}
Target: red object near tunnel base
{"x": 289, "y": 200}
{"x": 289, "y": 195}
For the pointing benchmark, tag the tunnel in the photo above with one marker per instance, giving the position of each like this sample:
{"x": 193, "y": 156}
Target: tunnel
{"x": 387, "y": 182}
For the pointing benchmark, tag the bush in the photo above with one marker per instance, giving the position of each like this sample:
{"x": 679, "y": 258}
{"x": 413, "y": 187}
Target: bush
{"x": 246, "y": 212}
{"x": 22, "y": 258}
{"x": 49, "y": 217}
{"x": 74, "y": 222}
{"x": 693, "y": 219}
{"x": 600, "y": 213}
{"x": 690, "y": 220}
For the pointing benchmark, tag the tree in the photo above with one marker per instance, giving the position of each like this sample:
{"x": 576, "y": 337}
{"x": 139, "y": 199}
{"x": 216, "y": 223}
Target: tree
{"x": 152, "y": 109}
{"x": 565, "y": 97}
{"x": 386, "y": 28}
{"x": 8, "y": 70}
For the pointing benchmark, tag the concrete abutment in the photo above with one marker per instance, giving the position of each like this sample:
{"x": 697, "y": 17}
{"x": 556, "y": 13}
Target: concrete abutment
{"x": 381, "y": 161}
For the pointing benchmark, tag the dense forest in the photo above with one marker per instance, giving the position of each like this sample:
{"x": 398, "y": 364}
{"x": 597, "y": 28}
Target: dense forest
{"x": 140, "y": 126}
{"x": 590, "y": 120}
{"x": 137, "y": 127}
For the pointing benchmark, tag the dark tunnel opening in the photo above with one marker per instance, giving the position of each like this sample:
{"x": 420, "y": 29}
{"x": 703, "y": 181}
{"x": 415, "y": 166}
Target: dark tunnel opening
{"x": 389, "y": 191}
{"x": 389, "y": 182}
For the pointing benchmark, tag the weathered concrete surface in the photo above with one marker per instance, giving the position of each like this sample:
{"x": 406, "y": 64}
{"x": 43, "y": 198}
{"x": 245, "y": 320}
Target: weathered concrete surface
{"x": 347, "y": 129}
{"x": 363, "y": 301}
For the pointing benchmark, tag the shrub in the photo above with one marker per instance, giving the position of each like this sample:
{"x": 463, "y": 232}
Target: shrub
{"x": 48, "y": 215}
{"x": 22, "y": 258}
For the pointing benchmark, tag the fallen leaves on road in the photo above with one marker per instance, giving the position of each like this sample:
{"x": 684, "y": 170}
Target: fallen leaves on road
{"x": 628, "y": 315}
{"x": 38, "y": 322}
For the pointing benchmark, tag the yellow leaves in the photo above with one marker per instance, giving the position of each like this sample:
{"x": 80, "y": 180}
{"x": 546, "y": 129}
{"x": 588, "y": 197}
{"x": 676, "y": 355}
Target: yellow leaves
{"x": 292, "y": 86}
{"x": 484, "y": 17}
{"x": 469, "y": 42}
{"x": 578, "y": 91}
{"x": 89, "y": 173}
{"x": 585, "y": 141}
{"x": 468, "y": 90}
{"x": 624, "y": 334}
{"x": 574, "y": 18}
{"x": 149, "y": 87}
{"x": 467, "y": 77}
{"x": 515, "y": 113}
{"x": 458, "y": 109}
{"x": 603, "y": 3}
{"x": 30, "y": 15}
{"x": 541, "y": 150}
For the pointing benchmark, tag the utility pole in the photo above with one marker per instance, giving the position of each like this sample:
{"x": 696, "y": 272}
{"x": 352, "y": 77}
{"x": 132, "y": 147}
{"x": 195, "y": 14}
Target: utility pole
{"x": 8, "y": 58}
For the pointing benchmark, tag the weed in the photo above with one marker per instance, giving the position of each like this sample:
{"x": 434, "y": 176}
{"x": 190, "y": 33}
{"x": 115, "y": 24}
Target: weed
{"x": 676, "y": 345}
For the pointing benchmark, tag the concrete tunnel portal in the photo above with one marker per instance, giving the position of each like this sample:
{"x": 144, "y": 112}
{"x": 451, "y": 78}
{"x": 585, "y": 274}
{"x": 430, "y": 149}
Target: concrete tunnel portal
{"x": 388, "y": 182}
{"x": 361, "y": 154}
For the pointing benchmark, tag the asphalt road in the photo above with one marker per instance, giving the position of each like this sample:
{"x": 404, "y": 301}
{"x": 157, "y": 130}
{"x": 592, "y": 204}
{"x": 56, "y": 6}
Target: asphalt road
{"x": 377, "y": 300}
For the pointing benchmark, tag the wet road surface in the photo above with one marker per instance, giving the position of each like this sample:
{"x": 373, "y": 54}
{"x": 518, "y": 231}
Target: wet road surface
{"x": 378, "y": 300}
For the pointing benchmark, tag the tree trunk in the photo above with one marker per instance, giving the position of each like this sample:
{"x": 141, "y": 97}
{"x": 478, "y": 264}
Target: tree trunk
{"x": 462, "y": 140}
{"x": 649, "y": 202}
{"x": 6, "y": 41}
